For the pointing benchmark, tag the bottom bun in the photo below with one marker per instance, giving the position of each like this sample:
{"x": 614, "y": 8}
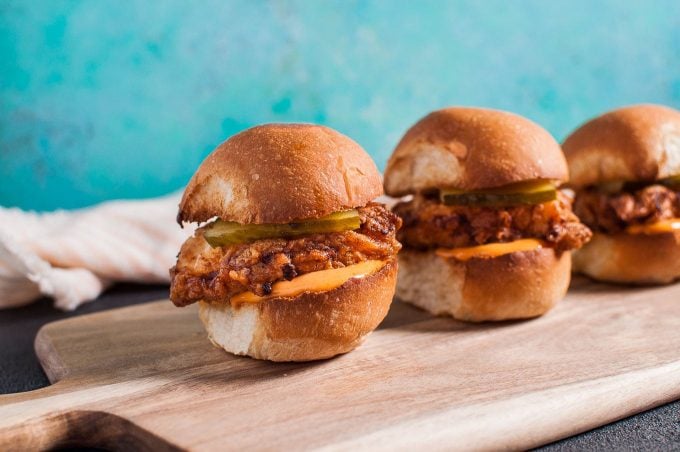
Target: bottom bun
{"x": 517, "y": 285}
{"x": 631, "y": 258}
{"x": 314, "y": 325}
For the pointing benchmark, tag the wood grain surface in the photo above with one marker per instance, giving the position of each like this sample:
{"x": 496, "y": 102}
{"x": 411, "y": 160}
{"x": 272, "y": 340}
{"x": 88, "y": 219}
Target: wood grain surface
{"x": 146, "y": 378}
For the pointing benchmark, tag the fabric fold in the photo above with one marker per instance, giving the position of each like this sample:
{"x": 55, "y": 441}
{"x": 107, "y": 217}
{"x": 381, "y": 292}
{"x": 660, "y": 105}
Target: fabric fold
{"x": 72, "y": 256}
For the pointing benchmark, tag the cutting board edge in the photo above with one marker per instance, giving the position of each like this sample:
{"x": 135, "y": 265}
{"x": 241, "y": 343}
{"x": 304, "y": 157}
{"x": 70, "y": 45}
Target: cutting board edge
{"x": 437, "y": 422}
{"x": 48, "y": 354}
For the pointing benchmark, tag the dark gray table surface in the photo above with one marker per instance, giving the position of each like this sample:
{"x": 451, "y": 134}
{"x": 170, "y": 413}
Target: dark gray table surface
{"x": 657, "y": 429}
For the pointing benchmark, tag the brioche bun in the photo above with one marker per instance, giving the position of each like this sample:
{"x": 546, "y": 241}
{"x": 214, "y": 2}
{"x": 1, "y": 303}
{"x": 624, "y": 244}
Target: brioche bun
{"x": 631, "y": 258}
{"x": 278, "y": 173}
{"x": 314, "y": 325}
{"x": 472, "y": 149}
{"x": 517, "y": 285}
{"x": 636, "y": 143}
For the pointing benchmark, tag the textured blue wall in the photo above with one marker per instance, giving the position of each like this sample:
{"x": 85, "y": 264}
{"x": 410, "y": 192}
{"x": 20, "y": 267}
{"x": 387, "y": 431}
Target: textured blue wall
{"x": 104, "y": 99}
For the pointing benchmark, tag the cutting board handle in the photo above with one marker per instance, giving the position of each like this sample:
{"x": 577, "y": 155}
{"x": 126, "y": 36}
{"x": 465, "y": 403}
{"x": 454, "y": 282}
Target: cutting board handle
{"x": 31, "y": 422}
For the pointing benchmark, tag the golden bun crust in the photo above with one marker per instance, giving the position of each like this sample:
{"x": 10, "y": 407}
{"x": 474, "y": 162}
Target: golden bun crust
{"x": 314, "y": 325}
{"x": 518, "y": 285}
{"x": 278, "y": 173}
{"x": 631, "y": 258}
{"x": 472, "y": 148}
{"x": 640, "y": 142}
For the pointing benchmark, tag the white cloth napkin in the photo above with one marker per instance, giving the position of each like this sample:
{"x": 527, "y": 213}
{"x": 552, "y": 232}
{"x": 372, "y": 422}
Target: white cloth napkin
{"x": 72, "y": 256}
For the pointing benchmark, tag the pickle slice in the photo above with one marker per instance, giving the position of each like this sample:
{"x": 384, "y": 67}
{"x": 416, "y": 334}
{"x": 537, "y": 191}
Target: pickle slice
{"x": 611, "y": 187}
{"x": 671, "y": 181}
{"x": 225, "y": 233}
{"x": 530, "y": 192}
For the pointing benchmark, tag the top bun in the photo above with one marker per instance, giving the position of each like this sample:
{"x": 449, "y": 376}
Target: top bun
{"x": 278, "y": 173}
{"x": 636, "y": 143}
{"x": 472, "y": 149}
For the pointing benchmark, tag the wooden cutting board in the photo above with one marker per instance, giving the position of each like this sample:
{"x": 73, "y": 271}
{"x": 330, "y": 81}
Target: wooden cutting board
{"x": 146, "y": 377}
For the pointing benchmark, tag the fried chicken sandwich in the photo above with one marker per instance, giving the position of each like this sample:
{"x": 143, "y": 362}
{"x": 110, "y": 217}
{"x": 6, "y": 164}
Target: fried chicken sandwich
{"x": 294, "y": 261}
{"x": 625, "y": 168}
{"x": 487, "y": 233}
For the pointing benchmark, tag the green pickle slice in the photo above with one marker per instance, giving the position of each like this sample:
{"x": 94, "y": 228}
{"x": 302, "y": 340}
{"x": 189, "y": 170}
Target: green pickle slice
{"x": 530, "y": 192}
{"x": 225, "y": 233}
{"x": 671, "y": 181}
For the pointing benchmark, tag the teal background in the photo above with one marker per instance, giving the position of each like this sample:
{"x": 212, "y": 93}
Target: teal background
{"x": 109, "y": 99}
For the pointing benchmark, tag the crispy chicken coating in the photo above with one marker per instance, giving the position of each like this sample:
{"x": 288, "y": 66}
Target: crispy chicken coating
{"x": 612, "y": 213}
{"x": 430, "y": 224}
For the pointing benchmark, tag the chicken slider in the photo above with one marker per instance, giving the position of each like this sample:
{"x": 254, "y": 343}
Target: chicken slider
{"x": 295, "y": 262}
{"x": 625, "y": 168}
{"x": 487, "y": 233}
